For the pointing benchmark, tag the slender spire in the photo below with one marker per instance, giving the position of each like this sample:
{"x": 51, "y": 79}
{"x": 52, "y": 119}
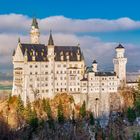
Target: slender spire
{"x": 35, "y": 23}
{"x": 50, "y": 42}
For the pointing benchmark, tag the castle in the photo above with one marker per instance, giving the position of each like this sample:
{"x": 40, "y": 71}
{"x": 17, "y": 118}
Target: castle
{"x": 45, "y": 70}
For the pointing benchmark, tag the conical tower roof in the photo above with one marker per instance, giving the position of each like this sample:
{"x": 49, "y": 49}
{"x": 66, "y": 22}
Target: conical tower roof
{"x": 50, "y": 41}
{"x": 35, "y": 23}
{"x": 120, "y": 46}
{"x": 94, "y": 62}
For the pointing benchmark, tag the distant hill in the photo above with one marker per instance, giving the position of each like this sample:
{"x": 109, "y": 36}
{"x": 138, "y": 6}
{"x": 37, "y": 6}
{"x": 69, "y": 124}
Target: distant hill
{"x": 6, "y": 76}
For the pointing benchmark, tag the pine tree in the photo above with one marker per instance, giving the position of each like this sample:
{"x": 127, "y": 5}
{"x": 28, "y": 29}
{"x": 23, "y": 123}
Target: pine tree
{"x": 33, "y": 121}
{"x": 28, "y": 110}
{"x": 131, "y": 115}
{"x": 60, "y": 114}
{"x": 83, "y": 110}
{"x": 111, "y": 137}
{"x": 47, "y": 108}
{"x": 138, "y": 136}
{"x": 92, "y": 121}
{"x": 20, "y": 106}
{"x": 73, "y": 117}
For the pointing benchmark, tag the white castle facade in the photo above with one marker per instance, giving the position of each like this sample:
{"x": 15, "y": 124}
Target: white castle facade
{"x": 42, "y": 71}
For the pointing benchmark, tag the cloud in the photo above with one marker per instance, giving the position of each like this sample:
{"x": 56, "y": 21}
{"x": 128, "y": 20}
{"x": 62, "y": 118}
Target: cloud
{"x": 67, "y": 31}
{"x": 14, "y": 23}
{"x": 17, "y": 23}
{"x": 63, "y": 24}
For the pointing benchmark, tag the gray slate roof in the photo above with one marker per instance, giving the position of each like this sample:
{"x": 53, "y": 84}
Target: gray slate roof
{"x": 35, "y": 23}
{"x": 105, "y": 74}
{"x": 67, "y": 50}
{"x": 120, "y": 46}
{"x": 40, "y": 52}
{"x": 89, "y": 69}
{"x": 50, "y": 41}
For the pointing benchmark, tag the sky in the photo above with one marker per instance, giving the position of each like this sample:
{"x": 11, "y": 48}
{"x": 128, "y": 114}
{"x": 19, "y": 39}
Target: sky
{"x": 97, "y": 25}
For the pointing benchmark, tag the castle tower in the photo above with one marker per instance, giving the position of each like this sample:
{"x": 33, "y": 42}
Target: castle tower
{"x": 120, "y": 64}
{"x": 51, "y": 65}
{"x": 94, "y": 66}
{"x": 34, "y": 33}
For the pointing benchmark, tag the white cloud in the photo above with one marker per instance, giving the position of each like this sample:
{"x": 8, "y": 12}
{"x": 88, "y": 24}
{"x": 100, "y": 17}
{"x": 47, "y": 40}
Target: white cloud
{"x": 21, "y": 24}
{"x": 14, "y": 23}
{"x": 63, "y": 24}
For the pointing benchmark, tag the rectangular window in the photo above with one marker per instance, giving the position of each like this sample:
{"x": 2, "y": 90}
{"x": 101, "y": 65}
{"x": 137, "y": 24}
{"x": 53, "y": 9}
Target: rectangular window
{"x": 70, "y": 65}
{"x": 84, "y": 84}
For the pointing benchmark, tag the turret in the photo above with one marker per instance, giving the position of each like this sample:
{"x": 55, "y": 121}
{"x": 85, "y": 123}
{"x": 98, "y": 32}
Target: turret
{"x": 50, "y": 41}
{"x": 120, "y": 64}
{"x": 51, "y": 56}
{"x": 94, "y": 66}
{"x": 120, "y": 51}
{"x": 50, "y": 47}
{"x": 34, "y": 33}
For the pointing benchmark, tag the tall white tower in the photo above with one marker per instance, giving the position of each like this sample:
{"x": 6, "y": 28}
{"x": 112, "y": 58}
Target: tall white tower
{"x": 120, "y": 64}
{"x": 94, "y": 66}
{"x": 34, "y": 33}
{"x": 51, "y": 65}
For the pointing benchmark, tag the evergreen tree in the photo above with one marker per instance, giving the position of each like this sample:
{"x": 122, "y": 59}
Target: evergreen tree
{"x": 111, "y": 137}
{"x": 48, "y": 109}
{"x": 92, "y": 121}
{"x": 28, "y": 110}
{"x": 137, "y": 107}
{"x": 131, "y": 115}
{"x": 20, "y": 106}
{"x": 83, "y": 110}
{"x": 136, "y": 137}
{"x": 73, "y": 117}
{"x": 60, "y": 113}
{"x": 33, "y": 121}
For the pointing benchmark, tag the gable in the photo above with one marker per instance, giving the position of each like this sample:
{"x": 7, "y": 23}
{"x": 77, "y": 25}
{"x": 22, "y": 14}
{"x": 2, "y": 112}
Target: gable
{"x": 18, "y": 55}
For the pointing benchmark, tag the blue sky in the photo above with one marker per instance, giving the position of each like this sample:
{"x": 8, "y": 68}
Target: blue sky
{"x": 98, "y": 25}
{"x": 110, "y": 9}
